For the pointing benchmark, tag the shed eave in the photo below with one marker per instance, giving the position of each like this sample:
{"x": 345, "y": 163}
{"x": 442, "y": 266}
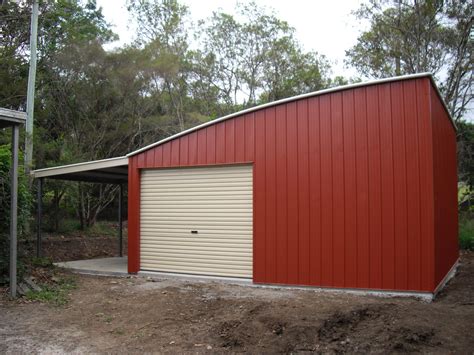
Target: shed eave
{"x": 294, "y": 98}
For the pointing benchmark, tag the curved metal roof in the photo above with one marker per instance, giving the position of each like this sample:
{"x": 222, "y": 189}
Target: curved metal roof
{"x": 294, "y": 98}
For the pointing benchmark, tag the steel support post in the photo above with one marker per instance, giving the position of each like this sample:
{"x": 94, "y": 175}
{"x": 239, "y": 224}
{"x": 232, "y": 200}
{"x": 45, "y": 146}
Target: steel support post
{"x": 14, "y": 210}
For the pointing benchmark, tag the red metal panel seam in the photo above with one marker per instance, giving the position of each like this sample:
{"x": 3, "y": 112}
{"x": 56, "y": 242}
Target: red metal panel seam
{"x": 434, "y": 147}
{"x": 182, "y": 148}
{"x": 204, "y": 159}
{"x": 286, "y": 181}
{"x": 302, "y": 192}
{"x": 310, "y": 278}
{"x": 311, "y": 192}
{"x": 332, "y": 194}
{"x": 270, "y": 200}
{"x": 368, "y": 183}
{"x": 242, "y": 138}
{"x": 214, "y": 144}
{"x": 253, "y": 219}
{"x": 396, "y": 222}
{"x": 326, "y": 223}
{"x": 356, "y": 194}
{"x": 420, "y": 245}
{"x": 320, "y": 198}
{"x": 225, "y": 139}
{"x": 406, "y": 179}
{"x": 138, "y": 215}
{"x": 188, "y": 153}
{"x": 424, "y": 122}
{"x": 374, "y": 177}
{"x": 393, "y": 189}
{"x": 338, "y": 218}
{"x": 234, "y": 133}
{"x": 297, "y": 197}
{"x": 343, "y": 192}
{"x": 350, "y": 221}
{"x": 265, "y": 273}
{"x": 358, "y": 214}
{"x": 380, "y": 165}
{"x": 254, "y": 181}
{"x": 179, "y": 150}
{"x": 155, "y": 153}
{"x": 276, "y": 203}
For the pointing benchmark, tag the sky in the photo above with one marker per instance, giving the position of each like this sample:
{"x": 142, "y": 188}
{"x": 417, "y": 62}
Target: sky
{"x": 325, "y": 26}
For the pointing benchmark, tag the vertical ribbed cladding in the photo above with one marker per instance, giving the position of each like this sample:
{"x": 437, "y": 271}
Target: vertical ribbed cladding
{"x": 427, "y": 247}
{"x": 281, "y": 183}
{"x": 343, "y": 185}
{"x": 400, "y": 186}
{"x": 303, "y": 193}
{"x": 315, "y": 187}
{"x": 445, "y": 190}
{"x": 327, "y": 207}
{"x": 350, "y": 190}
{"x": 375, "y": 183}
{"x": 292, "y": 192}
{"x": 271, "y": 194}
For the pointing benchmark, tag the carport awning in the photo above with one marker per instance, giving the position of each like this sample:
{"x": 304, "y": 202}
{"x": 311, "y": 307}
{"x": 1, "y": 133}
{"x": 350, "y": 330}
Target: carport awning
{"x": 9, "y": 118}
{"x": 111, "y": 171}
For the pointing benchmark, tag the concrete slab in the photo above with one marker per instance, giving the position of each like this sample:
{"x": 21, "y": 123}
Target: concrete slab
{"x": 116, "y": 266}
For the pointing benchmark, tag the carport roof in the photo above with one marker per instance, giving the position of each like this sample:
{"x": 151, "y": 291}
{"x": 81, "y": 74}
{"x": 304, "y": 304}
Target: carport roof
{"x": 10, "y": 118}
{"x": 111, "y": 171}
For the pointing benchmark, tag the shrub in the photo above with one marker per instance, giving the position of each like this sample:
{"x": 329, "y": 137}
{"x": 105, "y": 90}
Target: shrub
{"x": 24, "y": 204}
{"x": 466, "y": 232}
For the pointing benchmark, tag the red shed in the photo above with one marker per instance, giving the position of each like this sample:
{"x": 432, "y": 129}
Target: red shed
{"x": 353, "y": 187}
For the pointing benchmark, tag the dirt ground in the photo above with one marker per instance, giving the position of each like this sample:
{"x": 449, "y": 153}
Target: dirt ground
{"x": 136, "y": 315}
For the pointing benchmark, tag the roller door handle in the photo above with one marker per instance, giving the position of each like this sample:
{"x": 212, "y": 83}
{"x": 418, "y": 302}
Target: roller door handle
{"x": 194, "y": 232}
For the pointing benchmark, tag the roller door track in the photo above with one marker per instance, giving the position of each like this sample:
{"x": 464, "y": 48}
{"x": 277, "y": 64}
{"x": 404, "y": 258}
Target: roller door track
{"x": 197, "y": 221}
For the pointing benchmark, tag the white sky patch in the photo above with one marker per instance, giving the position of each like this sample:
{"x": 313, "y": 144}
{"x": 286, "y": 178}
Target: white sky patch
{"x": 324, "y": 26}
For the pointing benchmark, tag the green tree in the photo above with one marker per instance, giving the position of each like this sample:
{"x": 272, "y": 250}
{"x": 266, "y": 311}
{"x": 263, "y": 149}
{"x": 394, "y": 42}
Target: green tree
{"x": 63, "y": 26}
{"x": 255, "y": 57}
{"x": 412, "y": 36}
{"x": 24, "y": 205}
{"x": 162, "y": 33}
{"x": 61, "y": 22}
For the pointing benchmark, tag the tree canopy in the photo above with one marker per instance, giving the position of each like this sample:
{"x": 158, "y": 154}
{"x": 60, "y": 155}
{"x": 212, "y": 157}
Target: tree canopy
{"x": 412, "y": 36}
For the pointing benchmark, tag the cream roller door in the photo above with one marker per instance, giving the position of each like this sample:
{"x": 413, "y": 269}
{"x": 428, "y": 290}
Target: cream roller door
{"x": 197, "y": 220}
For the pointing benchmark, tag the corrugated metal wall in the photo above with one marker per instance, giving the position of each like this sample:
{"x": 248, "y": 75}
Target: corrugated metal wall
{"x": 343, "y": 186}
{"x": 445, "y": 188}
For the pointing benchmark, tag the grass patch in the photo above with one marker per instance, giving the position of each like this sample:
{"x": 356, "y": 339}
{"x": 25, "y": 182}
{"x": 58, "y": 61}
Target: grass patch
{"x": 56, "y": 294}
{"x": 42, "y": 262}
{"x": 101, "y": 228}
{"x": 73, "y": 227}
{"x": 466, "y": 233}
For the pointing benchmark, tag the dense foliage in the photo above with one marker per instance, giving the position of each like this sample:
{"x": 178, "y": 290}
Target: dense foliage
{"x": 24, "y": 205}
{"x": 410, "y": 36}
